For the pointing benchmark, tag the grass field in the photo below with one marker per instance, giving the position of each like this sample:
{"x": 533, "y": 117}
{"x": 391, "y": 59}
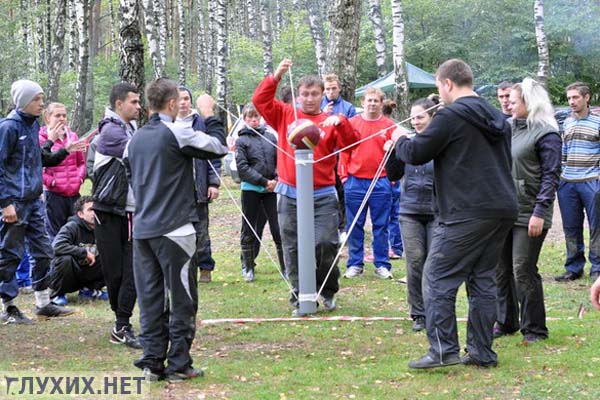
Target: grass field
{"x": 318, "y": 360}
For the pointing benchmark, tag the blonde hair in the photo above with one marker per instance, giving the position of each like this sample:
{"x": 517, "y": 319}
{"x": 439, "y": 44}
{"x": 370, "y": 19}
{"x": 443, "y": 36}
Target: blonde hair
{"x": 331, "y": 78}
{"x": 536, "y": 99}
{"x": 50, "y": 109}
{"x": 374, "y": 91}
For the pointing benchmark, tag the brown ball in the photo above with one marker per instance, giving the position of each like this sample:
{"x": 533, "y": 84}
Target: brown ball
{"x": 303, "y": 134}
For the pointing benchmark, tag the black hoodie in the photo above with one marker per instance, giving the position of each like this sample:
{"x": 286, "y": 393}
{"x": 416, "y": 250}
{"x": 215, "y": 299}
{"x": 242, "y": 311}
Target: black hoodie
{"x": 469, "y": 141}
{"x": 74, "y": 239}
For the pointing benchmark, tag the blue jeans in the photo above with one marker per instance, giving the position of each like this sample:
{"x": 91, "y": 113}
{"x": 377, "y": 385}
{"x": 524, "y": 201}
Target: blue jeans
{"x": 378, "y": 204}
{"x": 395, "y": 234}
{"x": 573, "y": 199}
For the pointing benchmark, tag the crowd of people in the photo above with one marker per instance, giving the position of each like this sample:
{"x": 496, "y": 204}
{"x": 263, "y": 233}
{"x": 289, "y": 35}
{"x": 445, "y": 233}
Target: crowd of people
{"x": 467, "y": 198}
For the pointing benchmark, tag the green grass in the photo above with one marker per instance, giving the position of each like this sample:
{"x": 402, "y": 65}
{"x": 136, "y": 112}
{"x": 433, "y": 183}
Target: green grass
{"x": 320, "y": 360}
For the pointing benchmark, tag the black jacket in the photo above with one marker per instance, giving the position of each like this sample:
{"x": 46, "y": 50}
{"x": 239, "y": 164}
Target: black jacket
{"x": 204, "y": 174}
{"x": 417, "y": 188}
{"x": 256, "y": 160}
{"x": 74, "y": 239}
{"x": 469, "y": 141}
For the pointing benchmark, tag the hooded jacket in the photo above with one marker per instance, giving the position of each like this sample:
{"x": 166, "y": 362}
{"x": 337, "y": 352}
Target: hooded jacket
{"x": 256, "y": 160}
{"x": 74, "y": 239}
{"x": 469, "y": 141}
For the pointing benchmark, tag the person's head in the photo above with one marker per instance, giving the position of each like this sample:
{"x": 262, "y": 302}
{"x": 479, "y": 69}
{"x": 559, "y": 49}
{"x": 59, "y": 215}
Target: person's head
{"x": 28, "y": 96}
{"x": 310, "y": 94}
{"x": 332, "y": 86}
{"x": 83, "y": 209}
{"x": 55, "y": 112}
{"x": 372, "y": 102}
{"x": 421, "y": 113}
{"x": 388, "y": 107}
{"x": 185, "y": 101}
{"x": 285, "y": 93}
{"x": 578, "y": 95}
{"x": 452, "y": 78}
{"x": 124, "y": 100}
{"x": 251, "y": 116}
{"x": 503, "y": 92}
{"x": 162, "y": 95}
{"x": 529, "y": 100}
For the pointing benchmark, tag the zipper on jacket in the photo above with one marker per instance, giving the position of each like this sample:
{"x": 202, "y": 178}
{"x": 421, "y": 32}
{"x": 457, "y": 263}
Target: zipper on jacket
{"x": 23, "y": 172}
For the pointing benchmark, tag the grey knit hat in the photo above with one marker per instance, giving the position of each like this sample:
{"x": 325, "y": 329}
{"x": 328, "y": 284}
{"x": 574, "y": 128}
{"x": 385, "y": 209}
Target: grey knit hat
{"x": 23, "y": 91}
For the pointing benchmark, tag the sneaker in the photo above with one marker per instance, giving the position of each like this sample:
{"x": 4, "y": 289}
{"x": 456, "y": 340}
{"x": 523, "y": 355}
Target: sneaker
{"x": 531, "y": 338}
{"x": 383, "y": 273}
{"x": 567, "y": 277}
{"x": 393, "y": 256}
{"x": 418, "y": 324}
{"x": 189, "y": 373}
{"x": 469, "y": 360}
{"x": 150, "y": 376}
{"x": 26, "y": 290}
{"x": 431, "y": 361}
{"x": 249, "y": 275}
{"x": 329, "y": 303}
{"x": 205, "y": 276}
{"x": 353, "y": 272}
{"x": 51, "y": 310}
{"x": 60, "y": 300}
{"x": 13, "y": 315}
{"x": 369, "y": 258}
{"x": 86, "y": 294}
{"x": 100, "y": 295}
{"x": 125, "y": 336}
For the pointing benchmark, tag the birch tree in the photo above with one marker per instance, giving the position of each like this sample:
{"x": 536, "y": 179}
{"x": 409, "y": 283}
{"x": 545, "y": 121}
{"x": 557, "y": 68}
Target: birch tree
{"x": 542, "y": 43}
{"x": 221, "y": 54}
{"x": 344, "y": 19}
{"x": 131, "y": 55}
{"x": 39, "y": 36}
{"x": 266, "y": 37}
{"x": 27, "y": 36}
{"x": 201, "y": 44}
{"x": 79, "y": 122}
{"x": 56, "y": 54}
{"x": 251, "y": 10}
{"x": 379, "y": 34}
{"x": 401, "y": 78}
{"x": 160, "y": 15}
{"x": 211, "y": 45}
{"x": 73, "y": 54}
{"x": 151, "y": 30}
{"x": 315, "y": 20}
{"x": 182, "y": 43}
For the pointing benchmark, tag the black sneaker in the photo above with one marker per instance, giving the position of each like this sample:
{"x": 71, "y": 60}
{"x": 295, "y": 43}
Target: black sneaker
{"x": 567, "y": 277}
{"x": 418, "y": 324}
{"x": 468, "y": 360}
{"x": 189, "y": 373}
{"x": 125, "y": 336}
{"x": 13, "y": 315}
{"x": 431, "y": 361}
{"x": 52, "y": 310}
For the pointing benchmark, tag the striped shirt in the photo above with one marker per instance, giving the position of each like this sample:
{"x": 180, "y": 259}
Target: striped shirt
{"x": 581, "y": 148}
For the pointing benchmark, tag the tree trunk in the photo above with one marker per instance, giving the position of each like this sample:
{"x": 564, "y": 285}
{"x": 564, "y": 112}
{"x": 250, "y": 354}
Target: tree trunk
{"x": 160, "y": 16}
{"x": 131, "y": 55}
{"x": 266, "y": 37}
{"x": 56, "y": 54}
{"x": 220, "y": 22}
{"x": 278, "y": 16}
{"x": 112, "y": 30}
{"x": 73, "y": 54}
{"x": 344, "y": 18}
{"x": 182, "y": 43}
{"x": 315, "y": 20}
{"x": 150, "y": 29}
{"x": 39, "y": 36}
{"x": 542, "y": 43}
{"x": 27, "y": 36}
{"x": 95, "y": 28}
{"x": 401, "y": 90}
{"x": 212, "y": 45}
{"x": 251, "y": 9}
{"x": 379, "y": 33}
{"x": 79, "y": 123}
{"x": 201, "y": 45}
{"x": 48, "y": 31}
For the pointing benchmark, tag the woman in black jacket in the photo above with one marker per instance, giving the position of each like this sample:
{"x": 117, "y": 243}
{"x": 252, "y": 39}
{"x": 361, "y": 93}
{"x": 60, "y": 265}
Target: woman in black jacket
{"x": 256, "y": 161}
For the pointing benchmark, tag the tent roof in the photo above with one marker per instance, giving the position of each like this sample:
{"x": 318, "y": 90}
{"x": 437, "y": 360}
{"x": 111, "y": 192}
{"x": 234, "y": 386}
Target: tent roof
{"x": 417, "y": 79}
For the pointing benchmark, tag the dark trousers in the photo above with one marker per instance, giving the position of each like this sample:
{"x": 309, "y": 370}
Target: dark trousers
{"x": 167, "y": 289}
{"x": 394, "y": 231}
{"x": 113, "y": 240}
{"x": 204, "y": 259}
{"x": 417, "y": 231}
{"x": 67, "y": 275}
{"x": 518, "y": 264}
{"x": 573, "y": 199}
{"x": 255, "y": 206}
{"x": 326, "y": 241}
{"x": 58, "y": 210}
{"x": 467, "y": 252}
{"x": 30, "y": 225}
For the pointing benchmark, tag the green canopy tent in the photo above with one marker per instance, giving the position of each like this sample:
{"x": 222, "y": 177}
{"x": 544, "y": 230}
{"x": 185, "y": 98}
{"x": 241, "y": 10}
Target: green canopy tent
{"x": 417, "y": 79}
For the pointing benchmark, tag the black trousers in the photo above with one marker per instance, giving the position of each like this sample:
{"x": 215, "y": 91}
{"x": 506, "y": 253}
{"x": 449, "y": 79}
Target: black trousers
{"x": 518, "y": 267}
{"x": 204, "y": 258}
{"x": 256, "y": 206}
{"x": 467, "y": 252}
{"x": 167, "y": 288}
{"x": 113, "y": 239}
{"x": 67, "y": 275}
{"x": 58, "y": 210}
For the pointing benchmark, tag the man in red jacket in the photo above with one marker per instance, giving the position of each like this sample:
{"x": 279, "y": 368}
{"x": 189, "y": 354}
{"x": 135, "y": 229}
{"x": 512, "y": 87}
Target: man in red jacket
{"x": 337, "y": 133}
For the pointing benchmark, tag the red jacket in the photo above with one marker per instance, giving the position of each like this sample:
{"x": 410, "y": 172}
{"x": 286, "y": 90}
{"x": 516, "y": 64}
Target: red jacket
{"x": 66, "y": 178}
{"x": 363, "y": 160}
{"x": 279, "y": 115}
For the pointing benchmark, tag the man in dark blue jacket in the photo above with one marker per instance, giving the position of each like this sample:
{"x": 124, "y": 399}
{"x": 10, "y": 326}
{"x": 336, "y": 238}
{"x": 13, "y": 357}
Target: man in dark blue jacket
{"x": 22, "y": 209}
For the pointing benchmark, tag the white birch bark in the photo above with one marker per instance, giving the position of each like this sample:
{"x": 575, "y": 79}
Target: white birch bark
{"x": 221, "y": 54}
{"x": 542, "y": 43}
{"x": 131, "y": 54}
{"x": 182, "y": 43}
{"x": 79, "y": 123}
{"x": 73, "y": 54}
{"x": 27, "y": 35}
{"x": 160, "y": 15}
{"x": 379, "y": 34}
{"x": 401, "y": 90}
{"x": 57, "y": 51}
{"x": 266, "y": 37}
{"x": 315, "y": 20}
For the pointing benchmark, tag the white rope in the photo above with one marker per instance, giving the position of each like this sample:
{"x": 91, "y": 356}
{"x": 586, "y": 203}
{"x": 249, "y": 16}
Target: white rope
{"x": 293, "y": 96}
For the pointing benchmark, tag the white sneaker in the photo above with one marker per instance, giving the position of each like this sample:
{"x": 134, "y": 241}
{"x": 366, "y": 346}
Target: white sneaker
{"x": 353, "y": 272}
{"x": 383, "y": 273}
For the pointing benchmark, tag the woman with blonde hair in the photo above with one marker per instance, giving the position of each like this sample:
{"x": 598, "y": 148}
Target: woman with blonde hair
{"x": 536, "y": 163}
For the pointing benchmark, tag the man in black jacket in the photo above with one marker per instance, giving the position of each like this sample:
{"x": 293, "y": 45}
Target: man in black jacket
{"x": 160, "y": 164}
{"x": 469, "y": 141}
{"x": 75, "y": 265}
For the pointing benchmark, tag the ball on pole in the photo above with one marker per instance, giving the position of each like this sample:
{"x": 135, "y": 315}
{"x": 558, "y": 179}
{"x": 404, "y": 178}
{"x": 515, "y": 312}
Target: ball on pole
{"x": 303, "y": 134}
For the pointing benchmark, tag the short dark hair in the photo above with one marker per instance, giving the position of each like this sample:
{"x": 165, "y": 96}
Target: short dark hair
{"x": 81, "y": 202}
{"x": 160, "y": 91}
{"x": 311, "y": 80}
{"x": 457, "y": 71}
{"x": 427, "y": 104}
{"x": 581, "y": 87}
{"x": 120, "y": 92}
{"x": 504, "y": 85}
{"x": 249, "y": 110}
{"x": 285, "y": 93}
{"x": 389, "y": 106}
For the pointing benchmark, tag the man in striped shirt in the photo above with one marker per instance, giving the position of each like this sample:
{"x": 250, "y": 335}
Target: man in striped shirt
{"x": 579, "y": 187}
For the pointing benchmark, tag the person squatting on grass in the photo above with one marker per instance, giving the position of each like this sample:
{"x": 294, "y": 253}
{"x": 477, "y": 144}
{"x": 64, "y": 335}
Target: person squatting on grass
{"x": 469, "y": 141}
{"x": 257, "y": 165}
{"x": 338, "y": 133}
{"x": 159, "y": 159}
{"x": 536, "y": 153}
{"x": 416, "y": 212}
{"x": 22, "y": 210}
{"x": 357, "y": 168}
